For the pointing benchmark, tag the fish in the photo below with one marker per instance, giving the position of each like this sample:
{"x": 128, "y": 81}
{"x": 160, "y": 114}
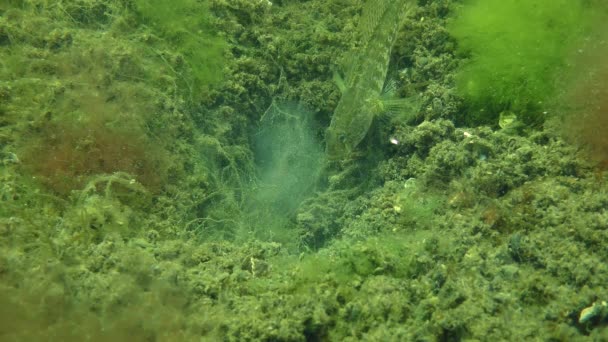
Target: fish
{"x": 363, "y": 89}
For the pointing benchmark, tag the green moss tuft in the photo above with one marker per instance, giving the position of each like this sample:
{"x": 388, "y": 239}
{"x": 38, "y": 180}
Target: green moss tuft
{"x": 186, "y": 26}
{"x": 516, "y": 49}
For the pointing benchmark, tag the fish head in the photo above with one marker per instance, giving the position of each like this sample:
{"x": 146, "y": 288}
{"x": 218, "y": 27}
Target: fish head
{"x": 336, "y": 141}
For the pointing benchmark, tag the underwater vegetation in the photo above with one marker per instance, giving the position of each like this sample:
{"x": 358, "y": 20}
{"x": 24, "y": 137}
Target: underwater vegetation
{"x": 163, "y": 174}
{"x": 65, "y": 152}
{"x": 100, "y": 105}
{"x": 516, "y": 50}
{"x": 185, "y": 26}
{"x": 583, "y": 100}
{"x": 288, "y": 156}
{"x": 288, "y": 161}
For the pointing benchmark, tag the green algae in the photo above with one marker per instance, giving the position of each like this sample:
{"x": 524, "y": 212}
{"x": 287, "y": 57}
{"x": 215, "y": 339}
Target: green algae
{"x": 451, "y": 233}
{"x": 517, "y": 50}
{"x": 185, "y": 26}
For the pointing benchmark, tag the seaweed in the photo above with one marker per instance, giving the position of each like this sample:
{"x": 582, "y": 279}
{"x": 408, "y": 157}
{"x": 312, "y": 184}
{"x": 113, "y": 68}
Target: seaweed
{"x": 516, "y": 50}
{"x": 186, "y": 26}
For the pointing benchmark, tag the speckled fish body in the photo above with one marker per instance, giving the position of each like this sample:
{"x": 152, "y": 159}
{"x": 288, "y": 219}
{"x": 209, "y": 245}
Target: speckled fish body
{"x": 365, "y": 78}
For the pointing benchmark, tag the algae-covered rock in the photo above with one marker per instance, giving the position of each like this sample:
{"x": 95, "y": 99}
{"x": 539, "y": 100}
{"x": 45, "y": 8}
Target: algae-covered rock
{"x": 205, "y": 204}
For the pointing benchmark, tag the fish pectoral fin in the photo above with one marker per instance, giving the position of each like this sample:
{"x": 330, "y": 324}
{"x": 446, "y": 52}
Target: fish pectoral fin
{"x": 409, "y": 104}
{"x": 389, "y": 90}
{"x": 401, "y": 109}
{"x": 390, "y": 103}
